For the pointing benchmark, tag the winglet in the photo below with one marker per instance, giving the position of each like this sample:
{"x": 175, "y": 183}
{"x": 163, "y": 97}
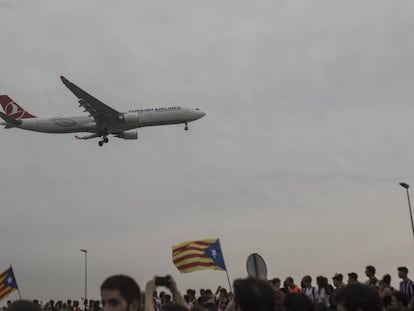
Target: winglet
{"x": 64, "y": 80}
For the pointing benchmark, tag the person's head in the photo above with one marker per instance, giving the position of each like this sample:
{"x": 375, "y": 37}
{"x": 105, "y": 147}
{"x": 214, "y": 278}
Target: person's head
{"x": 23, "y": 305}
{"x": 223, "y": 293}
{"x": 191, "y": 293}
{"x": 322, "y": 282}
{"x": 357, "y": 297}
{"x": 252, "y": 294}
{"x": 298, "y": 302}
{"x": 370, "y": 271}
{"x": 386, "y": 280}
{"x": 306, "y": 281}
{"x": 208, "y": 293}
{"x": 120, "y": 293}
{"x": 352, "y": 278}
{"x": 289, "y": 282}
{"x": 275, "y": 282}
{"x": 402, "y": 272}
{"x": 337, "y": 279}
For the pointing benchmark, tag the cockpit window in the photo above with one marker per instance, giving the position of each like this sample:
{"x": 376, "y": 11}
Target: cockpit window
{"x": 197, "y": 109}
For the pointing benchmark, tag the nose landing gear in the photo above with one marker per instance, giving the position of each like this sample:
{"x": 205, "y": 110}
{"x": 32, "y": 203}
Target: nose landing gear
{"x": 186, "y": 126}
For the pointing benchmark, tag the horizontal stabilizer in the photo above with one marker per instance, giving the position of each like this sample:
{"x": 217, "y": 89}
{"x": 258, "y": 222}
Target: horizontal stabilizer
{"x": 10, "y": 121}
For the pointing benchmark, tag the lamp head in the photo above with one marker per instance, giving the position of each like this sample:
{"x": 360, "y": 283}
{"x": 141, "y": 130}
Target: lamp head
{"x": 404, "y": 185}
{"x": 83, "y": 250}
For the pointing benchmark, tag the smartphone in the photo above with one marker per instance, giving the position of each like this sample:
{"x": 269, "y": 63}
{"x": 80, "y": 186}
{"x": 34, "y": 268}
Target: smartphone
{"x": 162, "y": 281}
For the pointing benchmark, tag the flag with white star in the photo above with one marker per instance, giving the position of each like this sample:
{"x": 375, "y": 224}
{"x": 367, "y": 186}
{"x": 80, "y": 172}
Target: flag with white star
{"x": 8, "y": 283}
{"x": 205, "y": 254}
{"x": 214, "y": 252}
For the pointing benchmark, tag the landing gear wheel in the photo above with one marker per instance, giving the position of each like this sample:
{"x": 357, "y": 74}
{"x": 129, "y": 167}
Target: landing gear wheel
{"x": 100, "y": 143}
{"x": 186, "y": 127}
{"x": 105, "y": 140}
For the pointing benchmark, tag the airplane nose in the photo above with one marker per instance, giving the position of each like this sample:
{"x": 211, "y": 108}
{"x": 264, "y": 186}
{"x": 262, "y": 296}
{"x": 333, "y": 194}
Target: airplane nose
{"x": 202, "y": 114}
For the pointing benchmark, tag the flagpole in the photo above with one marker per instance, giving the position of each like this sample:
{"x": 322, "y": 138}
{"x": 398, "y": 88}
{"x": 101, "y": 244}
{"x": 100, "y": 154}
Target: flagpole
{"x": 18, "y": 290}
{"x": 228, "y": 278}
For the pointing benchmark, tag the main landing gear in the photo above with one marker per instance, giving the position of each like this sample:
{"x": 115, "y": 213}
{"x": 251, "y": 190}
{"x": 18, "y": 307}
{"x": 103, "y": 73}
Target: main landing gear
{"x": 104, "y": 140}
{"x": 186, "y": 126}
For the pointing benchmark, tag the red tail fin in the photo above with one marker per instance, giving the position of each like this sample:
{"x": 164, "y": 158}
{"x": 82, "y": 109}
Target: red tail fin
{"x": 13, "y": 110}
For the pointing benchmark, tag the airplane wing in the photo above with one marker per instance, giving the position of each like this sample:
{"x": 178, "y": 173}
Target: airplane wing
{"x": 97, "y": 109}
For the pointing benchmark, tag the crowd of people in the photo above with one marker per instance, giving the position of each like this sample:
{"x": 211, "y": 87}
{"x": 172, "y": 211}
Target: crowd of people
{"x": 122, "y": 293}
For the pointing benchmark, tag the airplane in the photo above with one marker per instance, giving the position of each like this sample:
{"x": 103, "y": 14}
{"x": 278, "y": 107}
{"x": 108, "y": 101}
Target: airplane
{"x": 101, "y": 121}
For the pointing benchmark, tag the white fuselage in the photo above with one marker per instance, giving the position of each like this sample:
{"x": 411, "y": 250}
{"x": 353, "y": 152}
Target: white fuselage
{"x": 127, "y": 121}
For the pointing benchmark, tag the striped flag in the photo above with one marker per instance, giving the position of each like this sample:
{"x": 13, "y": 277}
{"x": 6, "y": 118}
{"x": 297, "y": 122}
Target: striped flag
{"x": 8, "y": 283}
{"x": 198, "y": 255}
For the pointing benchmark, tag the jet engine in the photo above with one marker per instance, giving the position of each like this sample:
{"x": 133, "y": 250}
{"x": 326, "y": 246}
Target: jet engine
{"x": 131, "y": 134}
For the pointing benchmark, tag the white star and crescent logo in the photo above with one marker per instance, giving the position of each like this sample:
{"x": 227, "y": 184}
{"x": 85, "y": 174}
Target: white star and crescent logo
{"x": 13, "y": 110}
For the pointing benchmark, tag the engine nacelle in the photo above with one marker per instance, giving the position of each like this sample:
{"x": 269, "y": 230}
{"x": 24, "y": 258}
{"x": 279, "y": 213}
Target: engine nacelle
{"x": 130, "y": 117}
{"x": 131, "y": 134}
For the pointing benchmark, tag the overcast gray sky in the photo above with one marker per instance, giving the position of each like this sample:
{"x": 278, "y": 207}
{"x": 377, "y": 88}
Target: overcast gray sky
{"x": 308, "y": 132}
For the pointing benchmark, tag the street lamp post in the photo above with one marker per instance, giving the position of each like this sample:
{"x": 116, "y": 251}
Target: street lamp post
{"x": 86, "y": 271}
{"x": 406, "y": 186}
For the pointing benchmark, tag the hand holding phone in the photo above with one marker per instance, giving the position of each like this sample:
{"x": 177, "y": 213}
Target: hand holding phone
{"x": 162, "y": 281}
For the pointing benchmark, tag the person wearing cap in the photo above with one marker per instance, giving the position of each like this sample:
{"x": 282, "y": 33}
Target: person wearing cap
{"x": 352, "y": 278}
{"x": 406, "y": 285}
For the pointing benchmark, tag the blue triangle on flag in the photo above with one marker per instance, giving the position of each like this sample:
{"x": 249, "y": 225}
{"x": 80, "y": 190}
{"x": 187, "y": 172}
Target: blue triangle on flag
{"x": 214, "y": 253}
{"x": 10, "y": 280}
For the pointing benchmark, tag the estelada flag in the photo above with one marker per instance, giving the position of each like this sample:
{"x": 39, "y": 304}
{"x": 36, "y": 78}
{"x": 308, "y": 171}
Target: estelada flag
{"x": 8, "y": 283}
{"x": 206, "y": 254}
